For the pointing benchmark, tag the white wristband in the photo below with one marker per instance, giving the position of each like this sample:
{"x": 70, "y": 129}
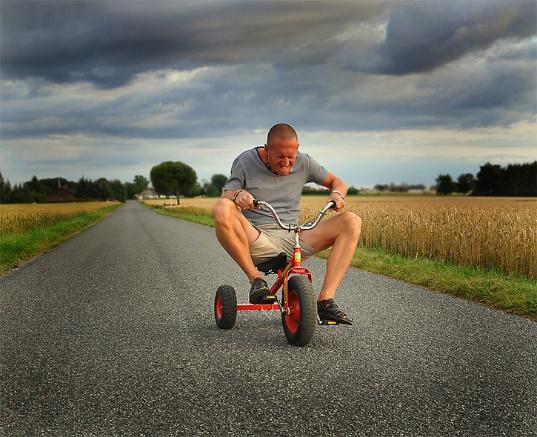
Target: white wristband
{"x": 341, "y": 195}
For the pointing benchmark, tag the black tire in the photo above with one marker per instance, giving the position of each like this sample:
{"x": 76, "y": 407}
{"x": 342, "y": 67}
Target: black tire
{"x": 300, "y": 321}
{"x": 225, "y": 307}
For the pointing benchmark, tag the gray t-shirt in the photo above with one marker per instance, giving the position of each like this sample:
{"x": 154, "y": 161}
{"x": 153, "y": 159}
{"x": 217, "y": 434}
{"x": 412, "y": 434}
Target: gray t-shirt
{"x": 282, "y": 192}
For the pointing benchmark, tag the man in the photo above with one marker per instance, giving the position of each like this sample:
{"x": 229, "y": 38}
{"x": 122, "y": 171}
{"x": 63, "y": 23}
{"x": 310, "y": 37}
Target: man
{"x": 276, "y": 173}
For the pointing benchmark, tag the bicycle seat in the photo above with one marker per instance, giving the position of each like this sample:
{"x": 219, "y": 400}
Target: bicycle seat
{"x": 273, "y": 264}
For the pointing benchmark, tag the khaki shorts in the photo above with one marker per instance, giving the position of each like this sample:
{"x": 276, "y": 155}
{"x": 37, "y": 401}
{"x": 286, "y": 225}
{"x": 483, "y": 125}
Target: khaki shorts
{"x": 274, "y": 240}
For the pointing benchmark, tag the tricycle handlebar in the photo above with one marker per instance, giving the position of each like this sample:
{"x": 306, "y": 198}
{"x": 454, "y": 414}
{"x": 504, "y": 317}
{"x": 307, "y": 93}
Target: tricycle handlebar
{"x": 305, "y": 227}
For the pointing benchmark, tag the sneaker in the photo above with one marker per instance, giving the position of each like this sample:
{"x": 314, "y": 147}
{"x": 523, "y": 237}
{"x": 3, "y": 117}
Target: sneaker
{"x": 259, "y": 290}
{"x": 328, "y": 310}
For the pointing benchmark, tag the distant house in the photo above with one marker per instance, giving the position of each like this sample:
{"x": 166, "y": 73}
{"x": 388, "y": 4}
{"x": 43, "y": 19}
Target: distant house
{"x": 149, "y": 194}
{"x": 60, "y": 194}
{"x": 422, "y": 191}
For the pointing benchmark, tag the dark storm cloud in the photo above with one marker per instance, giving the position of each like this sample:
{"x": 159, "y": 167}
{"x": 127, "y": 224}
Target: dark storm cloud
{"x": 424, "y": 35}
{"x": 314, "y": 64}
{"x": 109, "y": 42}
{"x": 235, "y": 99}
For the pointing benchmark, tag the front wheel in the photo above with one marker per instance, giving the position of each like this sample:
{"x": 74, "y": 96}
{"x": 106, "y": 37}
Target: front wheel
{"x": 225, "y": 307}
{"x": 300, "y": 318}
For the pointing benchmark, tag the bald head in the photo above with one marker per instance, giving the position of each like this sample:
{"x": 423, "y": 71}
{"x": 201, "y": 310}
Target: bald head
{"x": 283, "y": 131}
{"x": 281, "y": 149}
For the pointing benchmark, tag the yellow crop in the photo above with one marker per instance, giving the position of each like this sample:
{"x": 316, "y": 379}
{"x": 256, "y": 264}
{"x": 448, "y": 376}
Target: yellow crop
{"x": 18, "y": 218}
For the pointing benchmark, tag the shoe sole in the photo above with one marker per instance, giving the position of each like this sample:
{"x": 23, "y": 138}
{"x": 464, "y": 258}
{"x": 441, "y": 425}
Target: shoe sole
{"x": 329, "y": 318}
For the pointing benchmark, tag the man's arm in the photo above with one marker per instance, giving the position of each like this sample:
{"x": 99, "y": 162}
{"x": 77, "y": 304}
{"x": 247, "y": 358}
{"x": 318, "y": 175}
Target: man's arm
{"x": 242, "y": 198}
{"x": 338, "y": 190}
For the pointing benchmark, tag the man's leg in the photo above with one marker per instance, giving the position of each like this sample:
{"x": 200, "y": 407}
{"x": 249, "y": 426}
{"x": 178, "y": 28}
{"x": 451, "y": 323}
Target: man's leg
{"x": 235, "y": 233}
{"x": 342, "y": 232}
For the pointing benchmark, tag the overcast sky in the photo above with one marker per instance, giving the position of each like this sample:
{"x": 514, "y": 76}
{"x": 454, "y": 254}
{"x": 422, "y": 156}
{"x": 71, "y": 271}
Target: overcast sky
{"x": 379, "y": 91}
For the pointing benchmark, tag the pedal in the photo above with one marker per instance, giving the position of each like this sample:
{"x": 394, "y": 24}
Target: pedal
{"x": 269, "y": 298}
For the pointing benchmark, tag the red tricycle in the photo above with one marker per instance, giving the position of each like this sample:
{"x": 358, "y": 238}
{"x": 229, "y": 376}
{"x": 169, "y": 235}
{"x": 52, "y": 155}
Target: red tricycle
{"x": 297, "y": 305}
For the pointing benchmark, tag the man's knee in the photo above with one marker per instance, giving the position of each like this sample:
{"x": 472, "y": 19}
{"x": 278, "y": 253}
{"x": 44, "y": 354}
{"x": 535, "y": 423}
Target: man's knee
{"x": 224, "y": 211}
{"x": 352, "y": 222}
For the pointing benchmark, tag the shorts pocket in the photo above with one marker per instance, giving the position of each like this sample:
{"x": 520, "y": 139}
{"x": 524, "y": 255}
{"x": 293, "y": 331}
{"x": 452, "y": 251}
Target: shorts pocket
{"x": 262, "y": 249}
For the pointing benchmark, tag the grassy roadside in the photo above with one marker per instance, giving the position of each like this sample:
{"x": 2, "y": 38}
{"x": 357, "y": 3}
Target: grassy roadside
{"x": 512, "y": 293}
{"x": 16, "y": 248}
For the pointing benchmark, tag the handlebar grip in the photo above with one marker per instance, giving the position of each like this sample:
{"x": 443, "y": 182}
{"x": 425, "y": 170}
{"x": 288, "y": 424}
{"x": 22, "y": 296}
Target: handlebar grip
{"x": 332, "y": 204}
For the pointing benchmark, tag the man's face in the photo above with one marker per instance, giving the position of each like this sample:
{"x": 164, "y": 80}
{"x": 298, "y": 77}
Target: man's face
{"x": 281, "y": 155}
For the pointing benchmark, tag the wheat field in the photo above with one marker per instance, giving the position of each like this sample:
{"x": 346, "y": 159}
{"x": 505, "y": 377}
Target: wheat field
{"x": 19, "y": 218}
{"x": 486, "y": 232}
{"x": 489, "y": 232}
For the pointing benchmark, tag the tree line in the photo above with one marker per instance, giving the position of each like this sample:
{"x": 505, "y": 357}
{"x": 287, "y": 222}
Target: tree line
{"x": 59, "y": 189}
{"x": 399, "y": 188}
{"x": 493, "y": 180}
{"x": 175, "y": 178}
{"x": 168, "y": 178}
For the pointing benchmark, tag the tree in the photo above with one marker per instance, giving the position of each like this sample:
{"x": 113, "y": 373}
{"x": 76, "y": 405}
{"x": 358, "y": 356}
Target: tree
{"x": 5, "y": 190}
{"x": 465, "y": 183}
{"x": 513, "y": 180}
{"x": 215, "y": 187}
{"x": 104, "y": 189}
{"x": 210, "y": 190}
{"x": 173, "y": 178}
{"x": 444, "y": 184}
{"x": 118, "y": 190}
{"x": 86, "y": 189}
{"x": 34, "y": 185}
{"x": 488, "y": 180}
{"x": 519, "y": 180}
{"x": 21, "y": 194}
{"x": 35, "y": 188}
{"x": 197, "y": 190}
{"x": 130, "y": 190}
{"x": 218, "y": 181}
{"x": 52, "y": 184}
{"x": 139, "y": 184}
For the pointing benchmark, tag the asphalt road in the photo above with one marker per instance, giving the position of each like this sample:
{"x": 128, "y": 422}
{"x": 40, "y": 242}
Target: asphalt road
{"x": 112, "y": 333}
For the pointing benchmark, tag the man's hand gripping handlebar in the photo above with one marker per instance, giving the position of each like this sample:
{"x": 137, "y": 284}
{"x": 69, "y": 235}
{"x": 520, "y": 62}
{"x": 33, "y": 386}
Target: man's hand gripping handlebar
{"x": 297, "y": 228}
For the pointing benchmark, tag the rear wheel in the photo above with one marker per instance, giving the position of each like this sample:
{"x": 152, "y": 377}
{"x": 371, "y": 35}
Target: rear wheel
{"x": 300, "y": 318}
{"x": 225, "y": 307}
